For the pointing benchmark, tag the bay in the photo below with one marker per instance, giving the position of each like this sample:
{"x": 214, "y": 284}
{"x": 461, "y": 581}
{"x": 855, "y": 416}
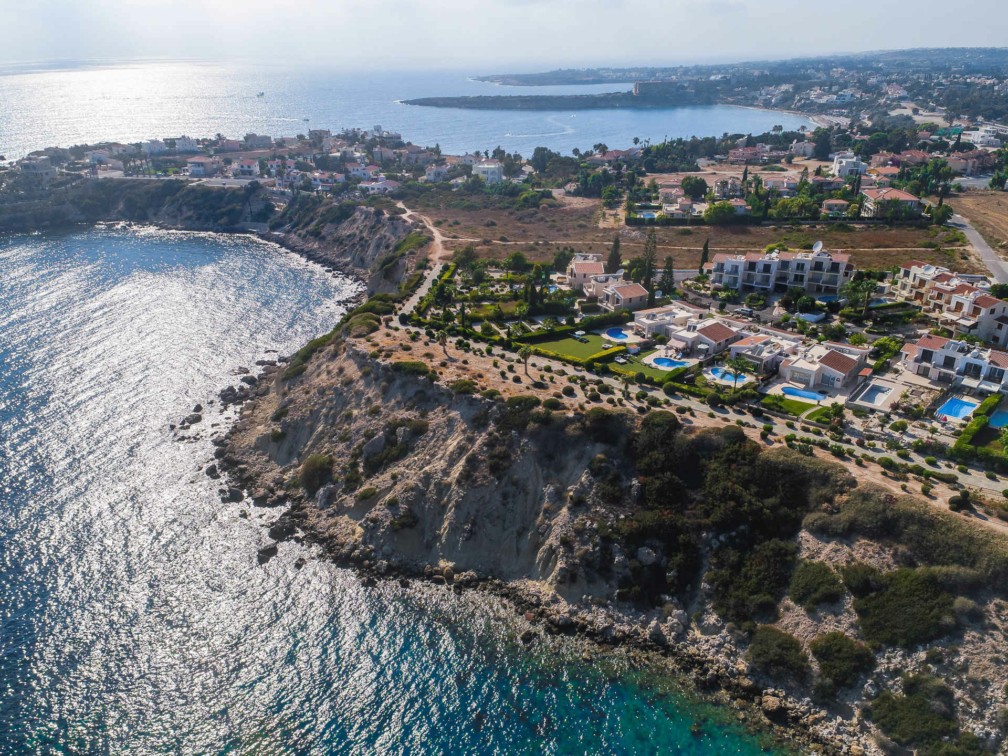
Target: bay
{"x": 134, "y": 101}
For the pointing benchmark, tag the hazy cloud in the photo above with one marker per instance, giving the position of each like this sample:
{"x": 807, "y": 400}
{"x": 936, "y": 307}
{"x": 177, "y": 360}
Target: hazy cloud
{"x": 479, "y": 35}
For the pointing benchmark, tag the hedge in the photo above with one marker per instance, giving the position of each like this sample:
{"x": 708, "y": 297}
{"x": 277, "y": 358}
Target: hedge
{"x": 595, "y": 321}
{"x": 963, "y": 447}
{"x": 988, "y": 405}
{"x": 603, "y": 356}
{"x": 449, "y": 274}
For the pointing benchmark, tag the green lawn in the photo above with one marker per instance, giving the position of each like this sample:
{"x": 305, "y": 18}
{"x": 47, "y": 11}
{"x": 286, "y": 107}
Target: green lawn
{"x": 791, "y": 406}
{"x": 635, "y": 364}
{"x": 822, "y": 415}
{"x": 988, "y": 437}
{"x": 574, "y": 348}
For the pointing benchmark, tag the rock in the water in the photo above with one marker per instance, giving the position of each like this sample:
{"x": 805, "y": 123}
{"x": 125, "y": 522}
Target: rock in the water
{"x": 772, "y": 706}
{"x": 527, "y": 637}
{"x": 211, "y": 472}
{"x": 375, "y": 446}
{"x": 198, "y": 408}
{"x": 267, "y": 552}
{"x": 194, "y": 418}
{"x": 234, "y": 494}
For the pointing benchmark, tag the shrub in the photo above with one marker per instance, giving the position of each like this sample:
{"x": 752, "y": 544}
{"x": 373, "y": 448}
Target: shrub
{"x": 277, "y": 435}
{"x": 366, "y": 493}
{"x": 568, "y": 390}
{"x": 814, "y": 583}
{"x": 713, "y": 399}
{"x": 463, "y": 386}
{"x": 899, "y": 426}
{"x": 923, "y": 715}
{"x": 669, "y": 389}
{"x": 931, "y": 461}
{"x": 552, "y": 404}
{"x": 777, "y": 652}
{"x": 841, "y": 659}
{"x": 907, "y": 608}
{"x": 315, "y": 471}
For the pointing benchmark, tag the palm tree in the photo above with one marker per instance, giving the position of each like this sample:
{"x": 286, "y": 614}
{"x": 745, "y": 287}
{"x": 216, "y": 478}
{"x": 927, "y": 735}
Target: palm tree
{"x": 524, "y": 353}
{"x": 738, "y": 366}
{"x": 442, "y": 339}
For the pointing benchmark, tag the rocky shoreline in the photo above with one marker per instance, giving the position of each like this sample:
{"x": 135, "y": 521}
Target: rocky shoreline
{"x": 706, "y": 656}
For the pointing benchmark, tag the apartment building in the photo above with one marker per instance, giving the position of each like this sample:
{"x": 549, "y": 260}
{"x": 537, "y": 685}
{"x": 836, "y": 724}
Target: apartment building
{"x": 959, "y": 302}
{"x": 821, "y": 272}
{"x": 958, "y": 363}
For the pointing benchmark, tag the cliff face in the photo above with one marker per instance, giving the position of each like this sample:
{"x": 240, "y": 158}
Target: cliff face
{"x": 359, "y": 240}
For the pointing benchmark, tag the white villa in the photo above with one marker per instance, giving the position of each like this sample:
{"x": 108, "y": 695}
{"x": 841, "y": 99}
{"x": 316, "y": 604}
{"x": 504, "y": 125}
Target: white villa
{"x": 957, "y": 363}
{"x": 582, "y": 268}
{"x": 491, "y": 171}
{"x": 829, "y": 364}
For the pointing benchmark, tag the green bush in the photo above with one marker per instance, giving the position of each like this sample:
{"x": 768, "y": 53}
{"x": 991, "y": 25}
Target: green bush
{"x": 713, "y": 399}
{"x": 463, "y": 386}
{"x": 747, "y": 585}
{"x": 908, "y": 607}
{"x": 315, "y": 471}
{"x": 366, "y": 493}
{"x": 919, "y": 718}
{"x": 669, "y": 389}
{"x": 568, "y": 391}
{"x": 899, "y": 426}
{"x": 841, "y": 659}
{"x": 814, "y": 583}
{"x": 777, "y": 652}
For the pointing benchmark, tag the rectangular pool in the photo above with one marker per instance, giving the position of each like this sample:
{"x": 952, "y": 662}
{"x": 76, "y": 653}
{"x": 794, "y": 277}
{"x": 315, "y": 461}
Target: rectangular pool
{"x": 875, "y": 394}
{"x": 957, "y": 408}
{"x": 999, "y": 419}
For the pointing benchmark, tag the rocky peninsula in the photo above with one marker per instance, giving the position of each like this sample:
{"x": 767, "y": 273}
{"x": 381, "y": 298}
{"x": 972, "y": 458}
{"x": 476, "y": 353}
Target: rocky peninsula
{"x": 830, "y": 612}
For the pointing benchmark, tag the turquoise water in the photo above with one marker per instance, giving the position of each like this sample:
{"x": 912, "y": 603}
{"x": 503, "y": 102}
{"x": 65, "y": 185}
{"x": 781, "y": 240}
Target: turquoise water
{"x": 136, "y": 617}
{"x": 723, "y": 374}
{"x": 616, "y": 333}
{"x": 803, "y": 393}
{"x": 668, "y": 364}
{"x": 957, "y": 408}
{"x": 137, "y": 101}
{"x": 999, "y": 419}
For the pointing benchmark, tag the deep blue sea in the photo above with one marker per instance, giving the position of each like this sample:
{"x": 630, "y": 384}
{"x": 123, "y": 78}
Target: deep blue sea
{"x": 129, "y": 102}
{"x": 134, "y": 616}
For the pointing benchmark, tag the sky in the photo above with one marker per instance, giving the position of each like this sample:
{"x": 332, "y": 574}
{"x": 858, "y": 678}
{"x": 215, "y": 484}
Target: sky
{"x": 484, "y": 36}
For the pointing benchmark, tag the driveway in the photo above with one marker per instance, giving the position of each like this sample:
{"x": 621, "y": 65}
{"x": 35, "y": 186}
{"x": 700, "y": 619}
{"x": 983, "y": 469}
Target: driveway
{"x": 988, "y": 255}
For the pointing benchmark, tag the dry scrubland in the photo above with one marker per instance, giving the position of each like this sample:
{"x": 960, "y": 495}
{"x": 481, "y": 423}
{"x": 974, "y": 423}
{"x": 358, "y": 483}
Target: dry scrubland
{"x": 988, "y": 212}
{"x": 574, "y": 222}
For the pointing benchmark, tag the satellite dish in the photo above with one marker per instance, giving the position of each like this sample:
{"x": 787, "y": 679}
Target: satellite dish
{"x": 817, "y": 247}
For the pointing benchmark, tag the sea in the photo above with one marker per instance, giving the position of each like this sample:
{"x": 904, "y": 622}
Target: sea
{"x": 135, "y": 617}
{"x": 46, "y": 105}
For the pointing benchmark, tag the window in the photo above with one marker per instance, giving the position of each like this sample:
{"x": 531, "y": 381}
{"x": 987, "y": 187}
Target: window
{"x": 828, "y": 380}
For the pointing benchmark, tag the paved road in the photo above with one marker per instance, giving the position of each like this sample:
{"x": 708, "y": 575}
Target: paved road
{"x": 989, "y": 256}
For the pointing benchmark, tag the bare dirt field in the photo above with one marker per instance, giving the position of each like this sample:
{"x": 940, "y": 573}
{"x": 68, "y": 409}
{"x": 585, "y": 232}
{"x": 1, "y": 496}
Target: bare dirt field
{"x": 988, "y": 212}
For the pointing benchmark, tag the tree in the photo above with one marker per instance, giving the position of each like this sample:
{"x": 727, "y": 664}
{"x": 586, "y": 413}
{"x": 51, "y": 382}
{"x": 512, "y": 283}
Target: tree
{"x": 516, "y": 262}
{"x": 822, "y": 145}
{"x": 940, "y": 215}
{"x": 615, "y": 262}
{"x": 859, "y": 292}
{"x": 525, "y": 352}
{"x": 704, "y": 255}
{"x": 442, "y": 339}
{"x": 738, "y": 366}
{"x": 719, "y": 214}
{"x": 650, "y": 258}
{"x": 745, "y": 175}
{"x": 667, "y": 282}
{"x": 694, "y": 187}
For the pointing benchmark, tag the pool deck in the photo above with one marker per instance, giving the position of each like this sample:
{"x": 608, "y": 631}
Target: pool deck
{"x": 742, "y": 379}
{"x": 895, "y": 391}
{"x": 670, "y": 354}
{"x": 835, "y": 394}
{"x": 631, "y": 338}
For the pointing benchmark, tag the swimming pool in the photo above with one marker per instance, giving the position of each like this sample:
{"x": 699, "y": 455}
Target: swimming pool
{"x": 727, "y": 376}
{"x": 999, "y": 419}
{"x": 803, "y": 393}
{"x": 668, "y": 364}
{"x": 616, "y": 333}
{"x": 875, "y": 394}
{"x": 647, "y": 215}
{"x": 552, "y": 287}
{"x": 957, "y": 408}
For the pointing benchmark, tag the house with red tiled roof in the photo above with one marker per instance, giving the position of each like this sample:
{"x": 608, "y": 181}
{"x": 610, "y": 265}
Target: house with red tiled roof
{"x": 579, "y": 272}
{"x": 877, "y": 199}
{"x": 623, "y": 296}
{"x": 829, "y": 365}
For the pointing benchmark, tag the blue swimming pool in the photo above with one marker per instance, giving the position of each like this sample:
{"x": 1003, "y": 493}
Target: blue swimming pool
{"x": 646, "y": 215}
{"x": 616, "y": 333}
{"x": 552, "y": 287}
{"x": 723, "y": 374}
{"x": 957, "y": 408}
{"x": 999, "y": 419}
{"x": 803, "y": 393}
{"x": 668, "y": 364}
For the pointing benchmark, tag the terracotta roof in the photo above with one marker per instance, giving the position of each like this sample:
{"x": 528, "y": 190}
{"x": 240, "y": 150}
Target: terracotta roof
{"x": 839, "y": 362}
{"x": 752, "y": 340}
{"x": 966, "y": 289}
{"x": 986, "y": 300}
{"x": 930, "y": 341}
{"x": 629, "y": 290}
{"x": 943, "y": 278}
{"x": 999, "y": 358}
{"x": 887, "y": 194}
{"x": 909, "y": 349}
{"x": 588, "y": 268}
{"x": 717, "y": 332}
